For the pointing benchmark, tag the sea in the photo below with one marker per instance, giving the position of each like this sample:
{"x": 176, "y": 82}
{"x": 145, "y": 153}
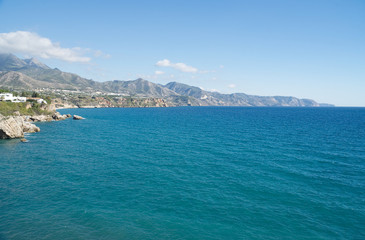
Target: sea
{"x": 188, "y": 173}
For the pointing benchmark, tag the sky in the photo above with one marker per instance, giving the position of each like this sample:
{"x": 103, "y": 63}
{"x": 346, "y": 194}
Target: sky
{"x": 308, "y": 49}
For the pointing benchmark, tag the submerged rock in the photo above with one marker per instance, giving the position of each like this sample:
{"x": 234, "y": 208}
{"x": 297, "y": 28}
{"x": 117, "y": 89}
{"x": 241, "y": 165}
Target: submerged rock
{"x": 77, "y": 117}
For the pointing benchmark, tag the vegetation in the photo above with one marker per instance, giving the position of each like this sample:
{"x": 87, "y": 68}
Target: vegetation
{"x": 8, "y": 108}
{"x": 28, "y": 94}
{"x": 31, "y": 107}
{"x": 8, "y": 91}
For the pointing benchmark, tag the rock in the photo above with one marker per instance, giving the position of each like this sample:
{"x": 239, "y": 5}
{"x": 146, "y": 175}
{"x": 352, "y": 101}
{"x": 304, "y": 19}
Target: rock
{"x": 41, "y": 118}
{"x": 51, "y": 107}
{"x": 28, "y": 105}
{"x": 11, "y": 127}
{"x": 27, "y": 118}
{"x": 46, "y": 118}
{"x": 23, "y": 140}
{"x": 58, "y": 117}
{"x": 15, "y": 127}
{"x": 76, "y": 117}
{"x": 30, "y": 128}
{"x": 16, "y": 113}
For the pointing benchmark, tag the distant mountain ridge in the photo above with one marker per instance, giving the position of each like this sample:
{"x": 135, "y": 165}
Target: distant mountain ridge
{"x": 30, "y": 74}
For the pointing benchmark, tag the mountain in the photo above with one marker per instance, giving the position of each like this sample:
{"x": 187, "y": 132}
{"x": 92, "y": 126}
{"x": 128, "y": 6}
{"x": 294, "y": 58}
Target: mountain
{"x": 18, "y": 80}
{"x": 139, "y": 87}
{"x": 237, "y": 99}
{"x": 46, "y": 76}
{"x": 70, "y": 81}
{"x": 33, "y": 62}
{"x": 31, "y": 74}
{"x": 9, "y": 62}
{"x": 187, "y": 90}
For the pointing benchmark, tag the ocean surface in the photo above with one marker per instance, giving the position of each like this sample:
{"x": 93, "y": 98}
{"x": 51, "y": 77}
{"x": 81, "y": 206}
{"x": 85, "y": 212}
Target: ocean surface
{"x": 188, "y": 173}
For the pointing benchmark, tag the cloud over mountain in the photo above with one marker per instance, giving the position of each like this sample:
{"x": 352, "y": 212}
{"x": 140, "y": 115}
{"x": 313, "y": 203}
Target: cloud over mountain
{"x": 30, "y": 43}
{"x": 178, "y": 66}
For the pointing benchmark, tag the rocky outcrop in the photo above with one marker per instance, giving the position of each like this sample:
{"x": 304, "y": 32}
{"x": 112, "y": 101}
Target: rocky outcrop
{"x": 58, "y": 117}
{"x": 77, "y": 117}
{"x": 15, "y": 127}
{"x": 30, "y": 128}
{"x": 39, "y": 118}
{"x": 47, "y": 118}
{"x": 10, "y": 128}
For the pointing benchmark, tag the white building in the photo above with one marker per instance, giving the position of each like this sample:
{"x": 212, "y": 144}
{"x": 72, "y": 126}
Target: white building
{"x": 38, "y": 100}
{"x": 41, "y": 100}
{"x": 10, "y": 97}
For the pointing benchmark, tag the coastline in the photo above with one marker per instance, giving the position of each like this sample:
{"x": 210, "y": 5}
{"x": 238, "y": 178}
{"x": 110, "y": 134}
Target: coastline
{"x": 15, "y": 126}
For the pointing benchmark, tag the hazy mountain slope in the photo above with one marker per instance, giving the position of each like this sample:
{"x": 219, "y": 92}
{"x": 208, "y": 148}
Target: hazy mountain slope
{"x": 138, "y": 87}
{"x": 186, "y": 90}
{"x": 237, "y": 99}
{"x": 29, "y": 74}
{"x": 33, "y": 62}
{"x": 9, "y": 62}
{"x": 53, "y": 78}
{"x": 56, "y": 76}
{"x": 19, "y": 80}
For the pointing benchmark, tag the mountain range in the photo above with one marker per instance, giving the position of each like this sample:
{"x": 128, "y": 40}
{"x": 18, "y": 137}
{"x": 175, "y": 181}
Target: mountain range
{"x": 31, "y": 74}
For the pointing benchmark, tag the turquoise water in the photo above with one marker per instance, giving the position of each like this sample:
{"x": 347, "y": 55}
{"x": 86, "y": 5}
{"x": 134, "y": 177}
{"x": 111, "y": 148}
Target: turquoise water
{"x": 188, "y": 173}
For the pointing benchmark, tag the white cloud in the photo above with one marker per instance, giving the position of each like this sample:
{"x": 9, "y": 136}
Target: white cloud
{"x": 30, "y": 43}
{"x": 221, "y": 66}
{"x": 99, "y": 53}
{"x": 232, "y": 85}
{"x": 159, "y": 72}
{"x": 178, "y": 66}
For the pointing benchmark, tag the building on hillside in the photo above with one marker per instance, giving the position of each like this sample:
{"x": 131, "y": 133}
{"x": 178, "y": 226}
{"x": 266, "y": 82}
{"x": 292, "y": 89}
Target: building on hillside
{"x": 11, "y": 98}
{"x": 38, "y": 100}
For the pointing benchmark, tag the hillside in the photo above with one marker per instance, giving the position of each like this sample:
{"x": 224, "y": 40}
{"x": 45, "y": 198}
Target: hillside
{"x": 31, "y": 74}
{"x": 237, "y": 99}
{"x": 139, "y": 87}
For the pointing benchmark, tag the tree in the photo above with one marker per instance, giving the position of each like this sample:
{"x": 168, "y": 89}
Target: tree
{"x": 35, "y": 94}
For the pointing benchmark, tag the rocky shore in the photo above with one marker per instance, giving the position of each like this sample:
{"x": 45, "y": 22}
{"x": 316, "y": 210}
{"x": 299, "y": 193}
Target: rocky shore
{"x": 15, "y": 126}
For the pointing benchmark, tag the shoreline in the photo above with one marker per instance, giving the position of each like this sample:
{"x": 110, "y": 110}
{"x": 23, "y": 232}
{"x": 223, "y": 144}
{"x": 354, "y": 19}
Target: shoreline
{"x": 16, "y": 126}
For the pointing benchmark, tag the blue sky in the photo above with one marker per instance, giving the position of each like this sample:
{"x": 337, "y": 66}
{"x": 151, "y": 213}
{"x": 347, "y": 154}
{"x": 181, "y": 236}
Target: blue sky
{"x": 308, "y": 49}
